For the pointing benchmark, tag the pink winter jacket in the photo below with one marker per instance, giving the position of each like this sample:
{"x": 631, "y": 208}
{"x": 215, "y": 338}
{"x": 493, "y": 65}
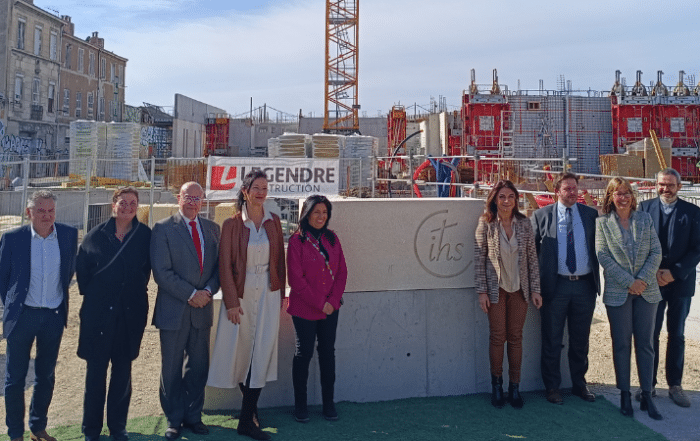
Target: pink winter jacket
{"x": 310, "y": 280}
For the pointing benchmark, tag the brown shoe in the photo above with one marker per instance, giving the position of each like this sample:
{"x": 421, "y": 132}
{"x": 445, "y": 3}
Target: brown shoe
{"x": 583, "y": 393}
{"x": 554, "y": 396}
{"x": 42, "y": 436}
{"x": 678, "y": 396}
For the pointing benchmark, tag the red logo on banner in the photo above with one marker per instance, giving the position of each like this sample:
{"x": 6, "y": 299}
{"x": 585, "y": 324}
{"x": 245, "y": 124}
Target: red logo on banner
{"x": 223, "y": 177}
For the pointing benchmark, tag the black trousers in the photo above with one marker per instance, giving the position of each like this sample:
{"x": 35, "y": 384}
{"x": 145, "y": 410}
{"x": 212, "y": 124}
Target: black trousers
{"x": 572, "y": 302}
{"x": 119, "y": 394}
{"x": 677, "y": 310}
{"x": 307, "y": 332}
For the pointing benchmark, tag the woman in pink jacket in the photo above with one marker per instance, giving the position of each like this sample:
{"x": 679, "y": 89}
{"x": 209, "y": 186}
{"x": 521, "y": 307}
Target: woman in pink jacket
{"x": 317, "y": 274}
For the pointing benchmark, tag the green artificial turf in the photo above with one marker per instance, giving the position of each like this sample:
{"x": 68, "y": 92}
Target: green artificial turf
{"x": 468, "y": 417}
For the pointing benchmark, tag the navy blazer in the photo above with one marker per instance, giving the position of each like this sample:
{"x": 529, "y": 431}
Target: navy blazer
{"x": 683, "y": 248}
{"x": 544, "y": 224}
{"x": 15, "y": 266}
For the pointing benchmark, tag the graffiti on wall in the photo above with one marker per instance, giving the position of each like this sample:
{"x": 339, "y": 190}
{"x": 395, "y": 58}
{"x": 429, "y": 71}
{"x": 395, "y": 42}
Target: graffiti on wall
{"x": 15, "y": 148}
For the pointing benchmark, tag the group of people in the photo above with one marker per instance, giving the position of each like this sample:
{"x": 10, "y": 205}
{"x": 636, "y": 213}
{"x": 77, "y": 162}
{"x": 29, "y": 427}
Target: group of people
{"x": 648, "y": 252}
{"x": 190, "y": 259}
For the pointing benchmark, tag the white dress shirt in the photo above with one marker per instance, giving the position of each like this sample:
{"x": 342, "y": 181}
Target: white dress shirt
{"x": 45, "y": 272}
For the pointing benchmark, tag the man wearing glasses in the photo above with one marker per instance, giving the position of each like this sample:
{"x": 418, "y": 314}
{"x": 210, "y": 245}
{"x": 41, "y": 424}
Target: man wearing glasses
{"x": 677, "y": 223}
{"x": 184, "y": 258}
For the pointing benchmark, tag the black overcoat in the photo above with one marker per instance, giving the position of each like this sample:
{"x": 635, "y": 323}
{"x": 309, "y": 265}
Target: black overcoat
{"x": 119, "y": 290}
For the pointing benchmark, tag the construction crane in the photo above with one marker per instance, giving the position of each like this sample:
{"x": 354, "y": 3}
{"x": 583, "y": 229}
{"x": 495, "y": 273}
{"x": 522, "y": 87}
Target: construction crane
{"x": 342, "y": 32}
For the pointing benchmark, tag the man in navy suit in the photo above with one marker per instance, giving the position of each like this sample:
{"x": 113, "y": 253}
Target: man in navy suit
{"x": 677, "y": 223}
{"x": 570, "y": 280}
{"x": 37, "y": 262}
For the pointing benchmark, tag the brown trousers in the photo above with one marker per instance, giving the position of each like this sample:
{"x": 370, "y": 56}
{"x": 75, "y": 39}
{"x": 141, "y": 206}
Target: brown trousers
{"x": 506, "y": 321}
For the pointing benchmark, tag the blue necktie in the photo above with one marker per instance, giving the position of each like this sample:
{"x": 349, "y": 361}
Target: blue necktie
{"x": 570, "y": 248}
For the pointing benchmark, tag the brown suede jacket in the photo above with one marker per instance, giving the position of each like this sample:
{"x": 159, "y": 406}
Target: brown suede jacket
{"x": 233, "y": 254}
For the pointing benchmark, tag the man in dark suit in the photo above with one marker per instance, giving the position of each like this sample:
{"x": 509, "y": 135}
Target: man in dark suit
{"x": 570, "y": 280}
{"x": 677, "y": 223}
{"x": 184, "y": 258}
{"x": 37, "y": 263}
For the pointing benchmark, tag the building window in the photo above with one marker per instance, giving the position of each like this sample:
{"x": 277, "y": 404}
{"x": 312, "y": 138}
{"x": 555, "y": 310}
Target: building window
{"x": 36, "y": 96}
{"x": 18, "y": 87}
{"x": 21, "y": 26}
{"x": 37, "y": 41}
{"x": 54, "y": 46}
{"x": 78, "y": 104}
{"x": 103, "y": 68}
{"x": 121, "y": 72}
{"x": 101, "y": 108}
{"x": 112, "y": 73}
{"x": 66, "y": 102}
{"x": 69, "y": 50}
{"x": 91, "y": 66}
{"x": 81, "y": 60}
{"x": 90, "y": 104}
{"x": 533, "y": 105}
{"x": 52, "y": 91}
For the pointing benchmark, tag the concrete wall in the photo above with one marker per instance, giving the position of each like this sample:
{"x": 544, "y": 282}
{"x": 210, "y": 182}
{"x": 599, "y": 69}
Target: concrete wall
{"x": 411, "y": 325}
{"x": 189, "y": 126}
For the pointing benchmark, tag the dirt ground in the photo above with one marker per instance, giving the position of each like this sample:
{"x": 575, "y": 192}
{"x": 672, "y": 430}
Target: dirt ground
{"x": 67, "y": 405}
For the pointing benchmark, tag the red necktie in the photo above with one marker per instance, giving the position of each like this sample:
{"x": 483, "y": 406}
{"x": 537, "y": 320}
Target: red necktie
{"x": 197, "y": 245}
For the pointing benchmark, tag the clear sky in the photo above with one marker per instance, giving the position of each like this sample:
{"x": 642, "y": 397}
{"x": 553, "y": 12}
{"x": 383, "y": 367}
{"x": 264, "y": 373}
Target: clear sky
{"x": 225, "y": 52}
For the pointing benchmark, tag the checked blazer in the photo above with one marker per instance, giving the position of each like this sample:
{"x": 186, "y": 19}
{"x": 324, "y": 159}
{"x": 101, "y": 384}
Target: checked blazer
{"x": 487, "y": 254}
{"x": 618, "y": 269}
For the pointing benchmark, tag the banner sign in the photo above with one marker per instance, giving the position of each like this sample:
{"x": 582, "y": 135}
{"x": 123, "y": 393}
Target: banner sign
{"x": 291, "y": 178}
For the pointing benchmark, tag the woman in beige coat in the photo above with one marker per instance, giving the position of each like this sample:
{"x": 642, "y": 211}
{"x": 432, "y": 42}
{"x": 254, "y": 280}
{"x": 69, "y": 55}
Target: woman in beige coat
{"x": 507, "y": 276}
{"x": 252, "y": 272}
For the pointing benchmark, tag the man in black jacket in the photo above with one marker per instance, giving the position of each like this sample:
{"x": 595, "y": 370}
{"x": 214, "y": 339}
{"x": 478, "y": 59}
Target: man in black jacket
{"x": 677, "y": 223}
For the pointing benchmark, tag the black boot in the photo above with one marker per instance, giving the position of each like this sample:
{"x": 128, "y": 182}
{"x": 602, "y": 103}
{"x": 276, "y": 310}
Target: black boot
{"x": 626, "y": 403}
{"x": 246, "y": 424}
{"x": 648, "y": 404}
{"x": 497, "y": 398}
{"x": 300, "y": 375}
{"x": 327, "y": 388}
{"x": 301, "y": 412}
{"x": 516, "y": 400}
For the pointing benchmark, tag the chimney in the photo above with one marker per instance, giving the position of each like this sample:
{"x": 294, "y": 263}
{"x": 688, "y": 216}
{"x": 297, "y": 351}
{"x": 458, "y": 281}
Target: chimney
{"x": 69, "y": 26}
{"x": 96, "y": 41}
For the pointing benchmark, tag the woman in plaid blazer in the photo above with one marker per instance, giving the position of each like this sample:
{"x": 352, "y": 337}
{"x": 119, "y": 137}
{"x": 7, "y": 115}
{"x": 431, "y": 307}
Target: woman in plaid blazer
{"x": 629, "y": 251}
{"x": 507, "y": 276}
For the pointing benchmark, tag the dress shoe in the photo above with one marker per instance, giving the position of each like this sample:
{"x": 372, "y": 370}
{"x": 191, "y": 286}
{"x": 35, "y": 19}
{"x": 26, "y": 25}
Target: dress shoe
{"x": 329, "y": 412}
{"x": 554, "y": 396}
{"x": 301, "y": 414}
{"x": 172, "y": 433}
{"x": 516, "y": 400}
{"x": 583, "y": 393}
{"x": 648, "y": 404}
{"x": 638, "y": 394}
{"x": 42, "y": 436}
{"x": 197, "y": 428}
{"x": 498, "y": 399}
{"x": 248, "y": 428}
{"x": 626, "y": 403}
{"x": 120, "y": 435}
{"x": 678, "y": 396}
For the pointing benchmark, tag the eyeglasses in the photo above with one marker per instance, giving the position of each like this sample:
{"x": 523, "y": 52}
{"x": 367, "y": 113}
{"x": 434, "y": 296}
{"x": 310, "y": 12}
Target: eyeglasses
{"x": 626, "y": 194}
{"x": 191, "y": 199}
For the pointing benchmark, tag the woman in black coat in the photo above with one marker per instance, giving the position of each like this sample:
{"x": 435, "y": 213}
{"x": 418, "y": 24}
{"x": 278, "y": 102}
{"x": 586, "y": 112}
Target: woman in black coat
{"x": 113, "y": 269}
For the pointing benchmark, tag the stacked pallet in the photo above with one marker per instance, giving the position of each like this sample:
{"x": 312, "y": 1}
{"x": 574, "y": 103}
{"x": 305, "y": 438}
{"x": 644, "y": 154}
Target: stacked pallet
{"x": 326, "y": 146}
{"x": 622, "y": 165}
{"x": 289, "y": 145}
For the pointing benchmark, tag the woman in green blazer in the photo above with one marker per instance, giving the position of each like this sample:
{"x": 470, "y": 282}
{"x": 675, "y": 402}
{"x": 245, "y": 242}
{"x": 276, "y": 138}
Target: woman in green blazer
{"x": 629, "y": 251}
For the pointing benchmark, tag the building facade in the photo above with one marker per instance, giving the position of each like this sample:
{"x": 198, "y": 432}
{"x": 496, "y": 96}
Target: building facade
{"x": 48, "y": 78}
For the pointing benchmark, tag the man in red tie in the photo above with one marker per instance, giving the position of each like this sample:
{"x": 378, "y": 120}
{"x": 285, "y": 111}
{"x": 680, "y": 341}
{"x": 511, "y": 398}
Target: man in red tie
{"x": 184, "y": 257}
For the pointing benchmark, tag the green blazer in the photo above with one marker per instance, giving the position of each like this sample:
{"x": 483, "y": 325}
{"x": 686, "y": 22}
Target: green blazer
{"x": 617, "y": 266}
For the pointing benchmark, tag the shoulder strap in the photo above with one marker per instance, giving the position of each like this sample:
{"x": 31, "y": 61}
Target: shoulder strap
{"x": 120, "y": 250}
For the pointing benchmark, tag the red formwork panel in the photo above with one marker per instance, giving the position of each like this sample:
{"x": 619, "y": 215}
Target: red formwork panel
{"x": 687, "y": 167}
{"x": 681, "y": 123}
{"x": 481, "y": 120}
{"x": 396, "y": 129}
{"x": 631, "y": 123}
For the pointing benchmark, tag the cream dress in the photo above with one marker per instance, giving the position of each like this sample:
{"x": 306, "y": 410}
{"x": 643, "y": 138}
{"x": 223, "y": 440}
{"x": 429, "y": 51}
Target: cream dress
{"x": 252, "y": 345}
